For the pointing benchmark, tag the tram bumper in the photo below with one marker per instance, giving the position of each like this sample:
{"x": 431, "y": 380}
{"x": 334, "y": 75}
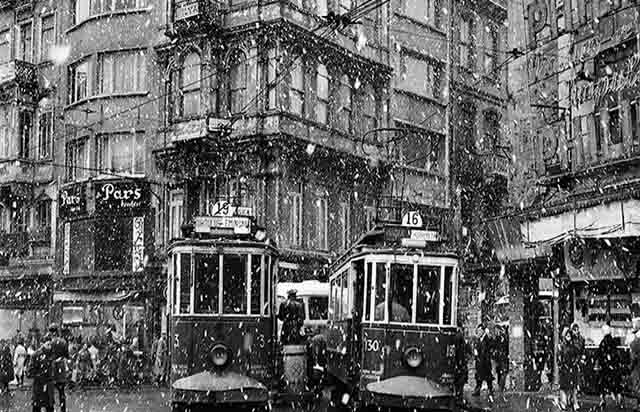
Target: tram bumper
{"x": 219, "y": 388}
{"x": 409, "y": 392}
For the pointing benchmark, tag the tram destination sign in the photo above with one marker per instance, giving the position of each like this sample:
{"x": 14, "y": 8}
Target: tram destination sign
{"x": 239, "y": 225}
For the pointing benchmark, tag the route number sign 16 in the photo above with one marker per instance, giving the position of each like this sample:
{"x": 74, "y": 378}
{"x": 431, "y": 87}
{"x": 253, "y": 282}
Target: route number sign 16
{"x": 412, "y": 219}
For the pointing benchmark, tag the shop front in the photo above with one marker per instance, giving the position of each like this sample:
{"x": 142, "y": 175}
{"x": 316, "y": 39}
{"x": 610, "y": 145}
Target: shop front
{"x": 105, "y": 281}
{"x": 24, "y": 306}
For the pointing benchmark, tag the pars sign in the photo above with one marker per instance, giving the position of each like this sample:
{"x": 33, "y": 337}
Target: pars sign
{"x": 121, "y": 196}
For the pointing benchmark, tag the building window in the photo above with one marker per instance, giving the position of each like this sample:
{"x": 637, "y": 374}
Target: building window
{"x": 6, "y": 128}
{"x": 121, "y": 152}
{"x": 345, "y": 6}
{"x": 369, "y": 109}
{"x": 587, "y": 12}
{"x": 79, "y": 81}
{"x": 122, "y": 72}
{"x": 45, "y": 134}
{"x": 43, "y": 214}
{"x": 423, "y": 150}
{"x": 24, "y": 48}
{"x": 345, "y": 102}
{"x": 466, "y": 43}
{"x": 599, "y": 131}
{"x": 5, "y": 45}
{"x": 47, "y": 36}
{"x": 84, "y": 9}
{"x": 238, "y": 72}
{"x": 420, "y": 76}
{"x": 491, "y": 131}
{"x": 295, "y": 217}
{"x": 188, "y": 84}
{"x": 296, "y": 90}
{"x": 490, "y": 50}
{"x": 322, "y": 223}
{"x": 175, "y": 215}
{"x": 345, "y": 224}
{"x": 424, "y": 10}
{"x": 322, "y": 92}
{"x": 272, "y": 69}
{"x": 321, "y": 7}
{"x": 615, "y": 131}
{"x": 635, "y": 125}
{"x": 77, "y": 159}
{"x": 369, "y": 218}
{"x": 25, "y": 125}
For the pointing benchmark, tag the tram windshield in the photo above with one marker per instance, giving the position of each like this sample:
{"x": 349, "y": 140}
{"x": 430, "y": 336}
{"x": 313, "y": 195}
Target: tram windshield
{"x": 409, "y": 293}
{"x": 221, "y": 284}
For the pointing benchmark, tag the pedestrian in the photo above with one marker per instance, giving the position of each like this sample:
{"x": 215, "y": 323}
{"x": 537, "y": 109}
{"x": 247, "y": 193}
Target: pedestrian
{"x": 84, "y": 366}
{"x": 160, "y": 364}
{"x": 60, "y": 364}
{"x": 634, "y": 348}
{"x": 567, "y": 368}
{"x": 291, "y": 313}
{"x": 482, "y": 354}
{"x": 463, "y": 350}
{"x": 95, "y": 353}
{"x": 579, "y": 342}
{"x": 6, "y": 366}
{"x": 19, "y": 361}
{"x": 610, "y": 375}
{"x": 501, "y": 355}
{"x": 40, "y": 371}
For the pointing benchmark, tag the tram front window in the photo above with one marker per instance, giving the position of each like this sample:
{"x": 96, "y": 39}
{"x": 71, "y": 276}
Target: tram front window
{"x": 380, "y": 291}
{"x": 234, "y": 278}
{"x": 428, "y": 295}
{"x": 401, "y": 293}
{"x": 207, "y": 269}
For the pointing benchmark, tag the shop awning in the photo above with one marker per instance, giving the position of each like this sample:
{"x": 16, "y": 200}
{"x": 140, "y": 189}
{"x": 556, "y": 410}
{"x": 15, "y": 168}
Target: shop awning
{"x": 68, "y": 296}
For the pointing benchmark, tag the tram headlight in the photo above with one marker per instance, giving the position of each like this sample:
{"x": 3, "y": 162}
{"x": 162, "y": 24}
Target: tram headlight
{"x": 413, "y": 357}
{"x": 220, "y": 355}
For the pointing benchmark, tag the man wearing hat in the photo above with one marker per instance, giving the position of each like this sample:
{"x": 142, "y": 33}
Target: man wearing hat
{"x": 291, "y": 314}
{"x": 60, "y": 356}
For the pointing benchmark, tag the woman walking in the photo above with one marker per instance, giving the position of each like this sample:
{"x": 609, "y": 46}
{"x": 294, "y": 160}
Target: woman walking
{"x": 19, "y": 361}
{"x": 568, "y": 368}
{"x": 610, "y": 375}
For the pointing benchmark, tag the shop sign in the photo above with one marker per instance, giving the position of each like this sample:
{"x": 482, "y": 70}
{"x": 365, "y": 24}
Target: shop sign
{"x": 627, "y": 78}
{"x": 67, "y": 248}
{"x": 224, "y": 208}
{"x": 121, "y": 196}
{"x": 186, "y": 9}
{"x": 72, "y": 201}
{"x": 591, "y": 47}
{"x": 138, "y": 244}
{"x": 239, "y": 225}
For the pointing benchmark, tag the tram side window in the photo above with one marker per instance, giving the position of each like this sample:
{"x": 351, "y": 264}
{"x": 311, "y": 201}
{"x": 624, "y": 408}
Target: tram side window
{"x": 345, "y": 312}
{"x": 234, "y": 279}
{"x": 270, "y": 268}
{"x": 428, "y": 294}
{"x": 256, "y": 280}
{"x": 175, "y": 285}
{"x": 448, "y": 295}
{"x": 381, "y": 291}
{"x": 207, "y": 268}
{"x": 401, "y": 293}
{"x": 318, "y": 306}
{"x": 185, "y": 283}
{"x": 367, "y": 291}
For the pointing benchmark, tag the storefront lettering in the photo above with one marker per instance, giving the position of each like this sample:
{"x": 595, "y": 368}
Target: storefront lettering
{"x": 121, "y": 196}
{"x": 595, "y": 45}
{"x": 69, "y": 200}
{"x": 626, "y": 78}
{"x": 67, "y": 248}
{"x": 109, "y": 191}
{"x": 138, "y": 244}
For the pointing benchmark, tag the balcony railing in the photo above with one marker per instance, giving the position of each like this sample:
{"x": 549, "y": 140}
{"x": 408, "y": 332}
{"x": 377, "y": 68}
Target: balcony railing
{"x": 14, "y": 244}
{"x": 495, "y": 165}
{"x": 40, "y": 235}
{"x": 23, "y": 73}
{"x": 195, "y": 16}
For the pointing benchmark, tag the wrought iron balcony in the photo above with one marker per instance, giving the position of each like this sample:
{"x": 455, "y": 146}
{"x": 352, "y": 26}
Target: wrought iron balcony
{"x": 16, "y": 4}
{"x": 13, "y": 244}
{"x": 495, "y": 164}
{"x": 22, "y": 73}
{"x": 41, "y": 235}
{"x": 195, "y": 16}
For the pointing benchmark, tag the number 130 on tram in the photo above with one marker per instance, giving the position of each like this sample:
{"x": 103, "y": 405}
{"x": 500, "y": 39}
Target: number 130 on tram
{"x": 392, "y": 322}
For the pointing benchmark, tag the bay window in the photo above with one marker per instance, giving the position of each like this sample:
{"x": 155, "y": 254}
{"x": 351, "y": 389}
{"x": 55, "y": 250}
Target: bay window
{"x": 25, "y": 127}
{"x": 345, "y": 102}
{"x": 47, "y": 36}
{"x": 322, "y": 94}
{"x": 296, "y": 90}
{"x": 238, "y": 76}
{"x": 188, "y": 83}
{"x": 490, "y": 50}
{"x": 466, "y": 43}
{"x": 121, "y": 152}
{"x": 122, "y": 72}
{"x": 85, "y": 9}
{"x": 369, "y": 110}
{"x": 76, "y": 159}
{"x": 79, "y": 81}
{"x": 45, "y": 134}
{"x": 24, "y": 46}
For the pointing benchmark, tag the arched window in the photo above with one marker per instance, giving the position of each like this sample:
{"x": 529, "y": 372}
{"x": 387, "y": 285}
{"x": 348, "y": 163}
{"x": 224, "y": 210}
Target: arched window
{"x": 345, "y": 101}
{"x": 322, "y": 93}
{"x": 238, "y": 72}
{"x": 369, "y": 109}
{"x": 189, "y": 86}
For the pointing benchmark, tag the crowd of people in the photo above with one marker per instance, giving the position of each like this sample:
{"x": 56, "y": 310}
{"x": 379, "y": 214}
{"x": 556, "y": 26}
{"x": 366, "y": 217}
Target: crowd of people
{"x": 60, "y": 359}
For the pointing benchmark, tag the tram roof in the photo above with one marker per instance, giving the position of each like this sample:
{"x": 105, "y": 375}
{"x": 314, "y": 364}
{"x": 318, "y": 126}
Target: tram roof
{"x": 224, "y": 242}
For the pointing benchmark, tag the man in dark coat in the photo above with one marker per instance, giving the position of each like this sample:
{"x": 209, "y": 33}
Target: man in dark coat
{"x": 462, "y": 368}
{"x": 60, "y": 365}
{"x": 482, "y": 353}
{"x": 6, "y": 366}
{"x": 291, "y": 314}
{"x": 501, "y": 355}
{"x": 40, "y": 370}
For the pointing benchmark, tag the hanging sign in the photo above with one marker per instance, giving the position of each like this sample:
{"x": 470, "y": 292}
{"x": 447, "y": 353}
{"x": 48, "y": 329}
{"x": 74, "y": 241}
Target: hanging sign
{"x": 67, "y": 248}
{"x": 186, "y": 9}
{"x": 72, "y": 201}
{"x": 138, "y": 244}
{"x": 240, "y": 225}
{"x": 412, "y": 219}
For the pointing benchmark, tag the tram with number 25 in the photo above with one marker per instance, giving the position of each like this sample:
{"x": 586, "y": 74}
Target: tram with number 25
{"x": 392, "y": 322}
{"x": 223, "y": 332}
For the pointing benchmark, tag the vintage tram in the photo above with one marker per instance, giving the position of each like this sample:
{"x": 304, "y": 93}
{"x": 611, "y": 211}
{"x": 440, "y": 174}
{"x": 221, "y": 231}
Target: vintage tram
{"x": 392, "y": 322}
{"x": 223, "y": 332}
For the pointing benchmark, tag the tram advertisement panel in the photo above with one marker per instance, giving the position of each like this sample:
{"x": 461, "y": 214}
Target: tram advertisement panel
{"x": 249, "y": 338}
{"x": 384, "y": 352}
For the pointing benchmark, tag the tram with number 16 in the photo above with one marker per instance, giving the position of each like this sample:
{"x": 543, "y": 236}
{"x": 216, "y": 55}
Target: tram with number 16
{"x": 223, "y": 332}
{"x": 392, "y": 321}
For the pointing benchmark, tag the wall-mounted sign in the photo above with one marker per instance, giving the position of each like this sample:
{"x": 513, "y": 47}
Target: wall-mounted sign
{"x": 121, "y": 196}
{"x": 239, "y": 225}
{"x": 67, "y": 249}
{"x": 186, "y": 9}
{"x": 137, "y": 257}
{"x": 628, "y": 77}
{"x": 72, "y": 201}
